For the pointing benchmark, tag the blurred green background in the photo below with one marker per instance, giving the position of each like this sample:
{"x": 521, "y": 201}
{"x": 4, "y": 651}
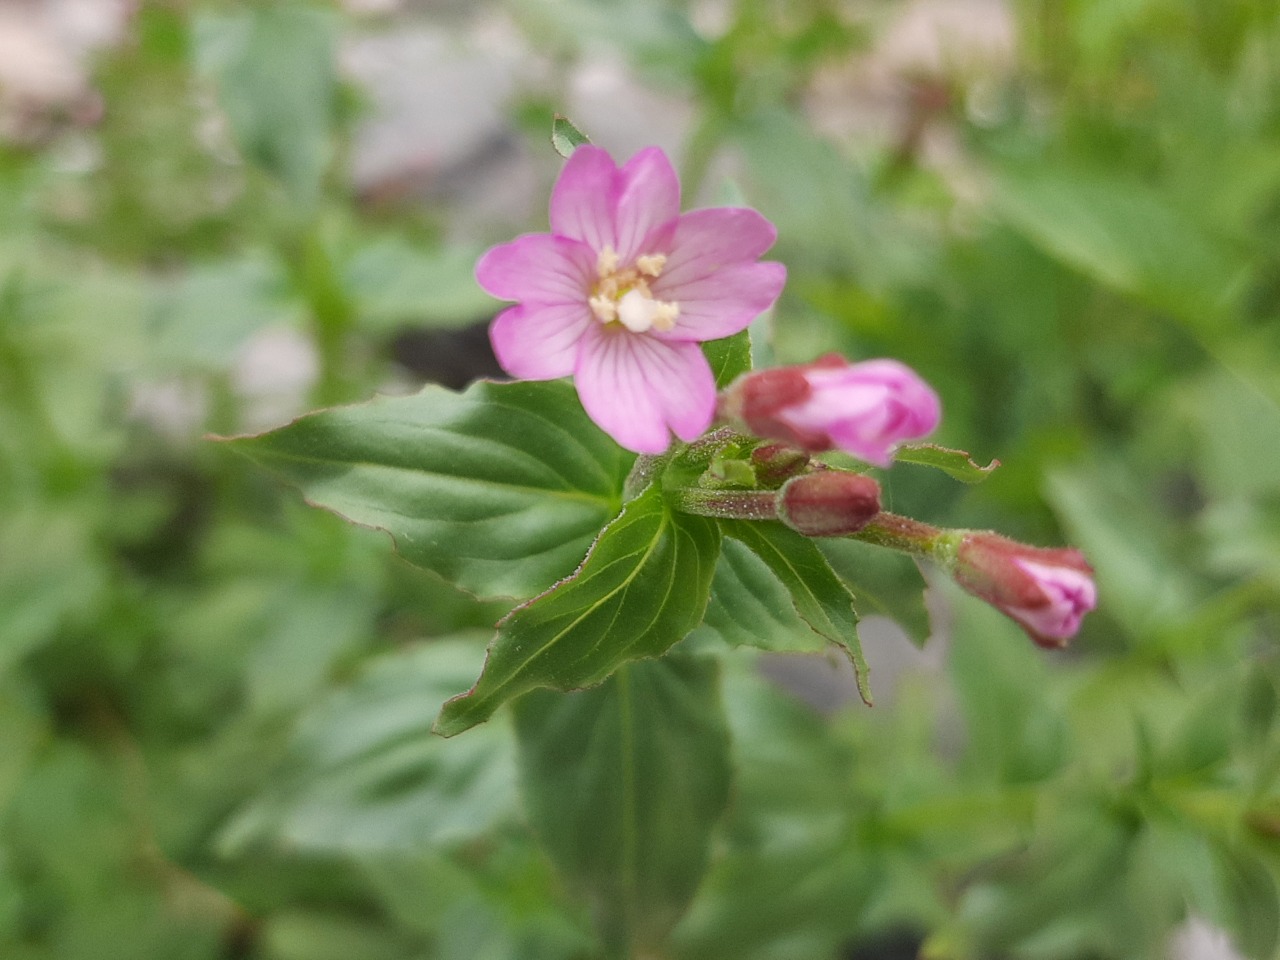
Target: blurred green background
{"x": 214, "y": 701}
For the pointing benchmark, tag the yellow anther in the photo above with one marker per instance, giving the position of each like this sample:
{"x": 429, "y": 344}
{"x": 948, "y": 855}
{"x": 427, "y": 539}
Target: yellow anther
{"x": 607, "y": 261}
{"x": 651, "y": 264}
{"x": 664, "y": 318}
{"x": 605, "y": 308}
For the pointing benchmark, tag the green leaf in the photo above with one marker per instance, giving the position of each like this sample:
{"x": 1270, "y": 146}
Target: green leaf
{"x": 500, "y": 489}
{"x": 820, "y": 597}
{"x": 750, "y": 606}
{"x": 954, "y": 463}
{"x": 623, "y": 784}
{"x": 275, "y": 72}
{"x": 364, "y": 774}
{"x": 565, "y": 137}
{"x": 643, "y": 586}
{"x": 729, "y": 357}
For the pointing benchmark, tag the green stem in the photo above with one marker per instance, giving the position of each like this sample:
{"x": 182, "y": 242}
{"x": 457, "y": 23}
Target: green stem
{"x": 727, "y": 504}
{"x": 904, "y": 535}
{"x": 332, "y": 316}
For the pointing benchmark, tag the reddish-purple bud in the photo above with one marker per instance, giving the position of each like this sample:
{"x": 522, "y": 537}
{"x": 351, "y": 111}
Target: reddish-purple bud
{"x": 828, "y": 503}
{"x": 865, "y": 409}
{"x": 1046, "y": 591}
{"x": 775, "y": 462}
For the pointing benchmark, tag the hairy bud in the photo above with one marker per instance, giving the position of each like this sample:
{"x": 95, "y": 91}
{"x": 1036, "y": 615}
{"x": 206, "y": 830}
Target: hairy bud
{"x": 828, "y": 503}
{"x": 1046, "y": 591}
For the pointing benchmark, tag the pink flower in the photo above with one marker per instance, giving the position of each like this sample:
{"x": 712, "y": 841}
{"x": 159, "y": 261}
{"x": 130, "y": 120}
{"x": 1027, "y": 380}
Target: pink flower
{"x": 623, "y": 289}
{"x": 865, "y": 409}
{"x": 1047, "y": 592}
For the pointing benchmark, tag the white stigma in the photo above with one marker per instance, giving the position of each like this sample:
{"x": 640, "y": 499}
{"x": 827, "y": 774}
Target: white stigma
{"x": 623, "y": 296}
{"x": 639, "y": 313}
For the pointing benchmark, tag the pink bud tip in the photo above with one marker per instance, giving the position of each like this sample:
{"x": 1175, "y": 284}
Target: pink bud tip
{"x": 865, "y": 409}
{"x": 1046, "y": 591}
{"x": 828, "y": 503}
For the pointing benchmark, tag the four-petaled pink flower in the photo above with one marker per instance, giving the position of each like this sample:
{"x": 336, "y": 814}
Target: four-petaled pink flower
{"x": 623, "y": 289}
{"x": 865, "y": 409}
{"x": 1047, "y": 591}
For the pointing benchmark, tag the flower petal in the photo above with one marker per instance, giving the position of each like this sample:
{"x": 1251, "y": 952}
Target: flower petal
{"x": 722, "y": 303}
{"x": 584, "y": 202}
{"x": 706, "y": 240}
{"x": 638, "y": 388}
{"x": 540, "y": 342}
{"x": 538, "y": 268}
{"x": 649, "y": 199}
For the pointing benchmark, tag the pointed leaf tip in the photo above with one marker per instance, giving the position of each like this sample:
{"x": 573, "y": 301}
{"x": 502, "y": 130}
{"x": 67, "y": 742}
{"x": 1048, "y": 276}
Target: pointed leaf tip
{"x": 954, "y": 463}
{"x": 565, "y": 137}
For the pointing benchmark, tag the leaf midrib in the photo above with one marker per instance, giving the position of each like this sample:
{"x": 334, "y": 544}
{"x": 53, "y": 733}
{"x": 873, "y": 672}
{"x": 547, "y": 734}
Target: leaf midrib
{"x": 570, "y": 495}
{"x": 591, "y": 608}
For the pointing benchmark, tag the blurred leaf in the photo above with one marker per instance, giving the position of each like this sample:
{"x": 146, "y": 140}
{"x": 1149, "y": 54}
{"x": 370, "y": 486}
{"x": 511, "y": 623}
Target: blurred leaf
{"x": 275, "y": 72}
{"x": 1252, "y": 903}
{"x": 306, "y": 631}
{"x": 365, "y": 775}
{"x": 819, "y": 596}
{"x": 1123, "y": 234}
{"x": 642, "y": 588}
{"x": 751, "y": 607}
{"x": 304, "y": 935}
{"x": 1239, "y": 430}
{"x": 1014, "y": 733}
{"x": 789, "y": 880}
{"x": 729, "y": 357}
{"x": 565, "y": 137}
{"x": 204, "y": 317}
{"x": 623, "y": 783}
{"x": 1203, "y": 737}
{"x": 954, "y": 463}
{"x": 500, "y": 489}
{"x": 49, "y": 571}
{"x": 22, "y": 730}
{"x": 1139, "y": 580}
{"x": 394, "y": 284}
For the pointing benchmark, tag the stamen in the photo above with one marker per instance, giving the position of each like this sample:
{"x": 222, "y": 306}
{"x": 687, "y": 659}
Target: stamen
{"x": 664, "y": 318}
{"x": 605, "y": 308}
{"x": 607, "y": 261}
{"x": 651, "y": 264}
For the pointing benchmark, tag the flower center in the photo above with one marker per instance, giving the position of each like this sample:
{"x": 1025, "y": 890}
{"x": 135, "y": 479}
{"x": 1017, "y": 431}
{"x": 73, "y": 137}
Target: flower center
{"x": 623, "y": 296}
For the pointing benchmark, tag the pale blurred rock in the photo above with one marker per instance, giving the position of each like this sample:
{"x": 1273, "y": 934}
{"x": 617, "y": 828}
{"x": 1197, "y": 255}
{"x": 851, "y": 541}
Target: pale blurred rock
{"x": 1197, "y": 939}
{"x": 274, "y": 373}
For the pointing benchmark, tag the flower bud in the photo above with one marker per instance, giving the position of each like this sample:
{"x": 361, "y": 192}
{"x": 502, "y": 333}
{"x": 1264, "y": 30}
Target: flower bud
{"x": 1047, "y": 592}
{"x": 865, "y": 409}
{"x": 776, "y": 462}
{"x": 828, "y": 503}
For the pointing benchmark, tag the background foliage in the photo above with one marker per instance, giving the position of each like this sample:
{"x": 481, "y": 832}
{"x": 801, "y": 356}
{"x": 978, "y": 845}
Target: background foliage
{"x": 215, "y": 702}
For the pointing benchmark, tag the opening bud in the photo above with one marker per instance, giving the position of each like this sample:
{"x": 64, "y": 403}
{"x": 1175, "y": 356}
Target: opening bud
{"x": 1045, "y": 591}
{"x": 828, "y": 503}
{"x": 865, "y": 409}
